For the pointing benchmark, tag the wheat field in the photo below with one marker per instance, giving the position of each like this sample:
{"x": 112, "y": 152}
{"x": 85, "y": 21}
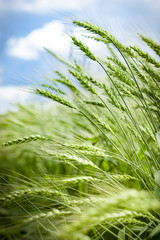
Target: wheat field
{"x": 87, "y": 167}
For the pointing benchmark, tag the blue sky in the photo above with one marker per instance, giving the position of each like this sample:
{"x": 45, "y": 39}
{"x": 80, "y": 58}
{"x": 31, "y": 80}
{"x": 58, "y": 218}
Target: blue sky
{"x": 28, "y": 25}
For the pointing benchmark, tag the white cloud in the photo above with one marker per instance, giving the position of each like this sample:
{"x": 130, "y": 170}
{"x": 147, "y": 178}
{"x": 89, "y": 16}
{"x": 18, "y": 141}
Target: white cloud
{"x": 51, "y": 35}
{"x": 9, "y": 96}
{"x": 48, "y": 6}
{"x": 42, "y": 6}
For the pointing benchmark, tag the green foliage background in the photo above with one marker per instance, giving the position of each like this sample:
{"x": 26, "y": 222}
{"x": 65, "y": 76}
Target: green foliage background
{"x": 87, "y": 167}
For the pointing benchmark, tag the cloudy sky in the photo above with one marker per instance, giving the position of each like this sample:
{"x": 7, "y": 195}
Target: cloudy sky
{"x": 26, "y": 26}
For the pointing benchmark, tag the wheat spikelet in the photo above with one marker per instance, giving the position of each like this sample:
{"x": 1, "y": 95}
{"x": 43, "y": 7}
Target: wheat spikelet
{"x": 83, "y": 48}
{"x": 118, "y": 63}
{"x": 146, "y": 57}
{"x": 104, "y": 34}
{"x": 90, "y": 153}
{"x": 90, "y": 200}
{"x": 95, "y": 103}
{"x": 32, "y": 191}
{"x": 127, "y": 90}
{"x": 79, "y": 179}
{"x": 84, "y": 147}
{"x": 84, "y": 82}
{"x": 92, "y": 80}
{"x": 54, "y": 97}
{"x": 53, "y": 213}
{"x": 53, "y": 88}
{"x": 121, "y": 177}
{"x": 138, "y": 73}
{"x": 101, "y": 123}
{"x": 86, "y": 150}
{"x": 153, "y": 45}
{"x": 68, "y": 158}
{"x": 66, "y": 82}
{"x": 152, "y": 72}
{"x": 113, "y": 99}
{"x": 122, "y": 216}
{"x": 121, "y": 76}
{"x": 24, "y": 139}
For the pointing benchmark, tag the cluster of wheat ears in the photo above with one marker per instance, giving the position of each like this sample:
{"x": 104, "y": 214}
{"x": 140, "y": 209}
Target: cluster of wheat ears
{"x": 88, "y": 167}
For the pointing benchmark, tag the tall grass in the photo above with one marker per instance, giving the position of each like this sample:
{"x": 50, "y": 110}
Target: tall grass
{"x": 89, "y": 166}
